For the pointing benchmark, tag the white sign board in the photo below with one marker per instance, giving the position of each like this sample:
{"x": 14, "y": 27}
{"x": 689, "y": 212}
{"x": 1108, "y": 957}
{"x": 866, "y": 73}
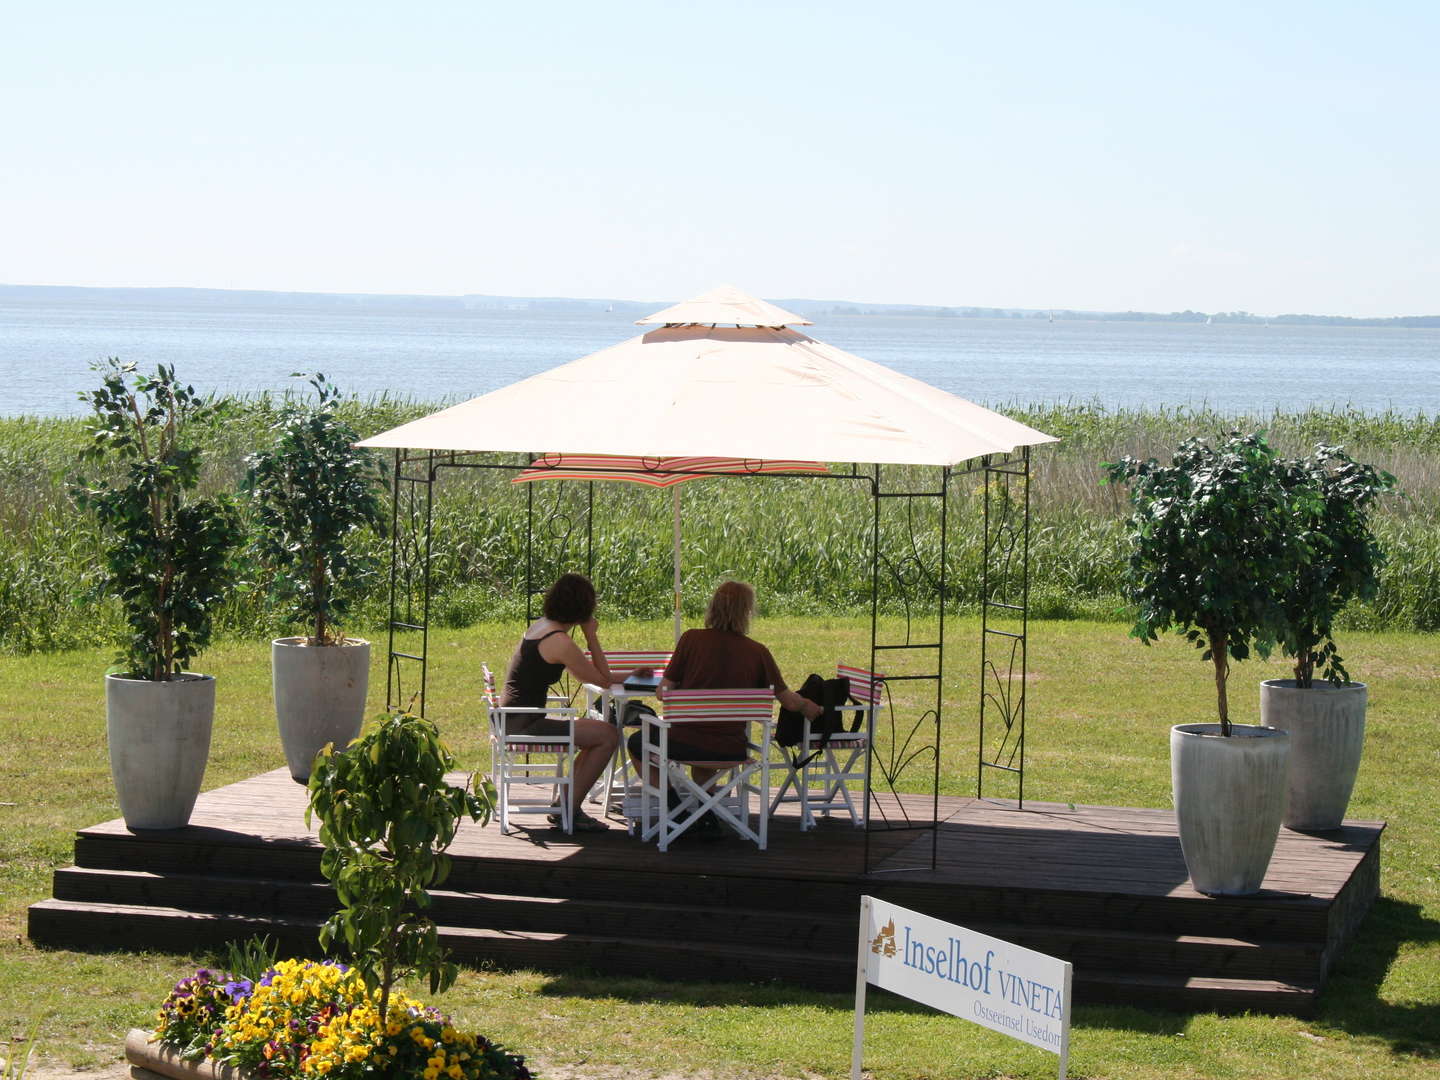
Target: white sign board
{"x": 1012, "y": 990}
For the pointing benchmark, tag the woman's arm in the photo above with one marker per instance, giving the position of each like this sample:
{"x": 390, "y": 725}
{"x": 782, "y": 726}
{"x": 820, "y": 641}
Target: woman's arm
{"x": 561, "y": 649}
{"x": 591, "y": 630}
{"x": 791, "y": 700}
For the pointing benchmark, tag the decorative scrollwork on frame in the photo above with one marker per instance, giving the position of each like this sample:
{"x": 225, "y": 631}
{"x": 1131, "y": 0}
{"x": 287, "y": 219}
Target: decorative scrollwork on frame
{"x": 1004, "y": 620}
{"x": 900, "y": 752}
{"x": 1009, "y": 703}
{"x": 1004, "y": 536}
{"x": 556, "y": 524}
{"x": 912, "y": 581}
{"x": 410, "y": 556}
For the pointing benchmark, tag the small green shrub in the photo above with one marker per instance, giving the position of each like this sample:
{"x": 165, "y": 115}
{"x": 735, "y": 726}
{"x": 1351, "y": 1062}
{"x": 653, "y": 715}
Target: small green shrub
{"x": 387, "y": 814}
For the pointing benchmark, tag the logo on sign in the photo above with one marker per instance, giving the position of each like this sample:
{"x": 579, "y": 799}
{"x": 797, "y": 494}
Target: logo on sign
{"x": 884, "y": 943}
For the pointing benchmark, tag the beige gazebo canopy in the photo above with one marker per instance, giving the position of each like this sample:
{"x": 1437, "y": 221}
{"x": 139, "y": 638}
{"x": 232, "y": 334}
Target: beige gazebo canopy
{"x": 723, "y": 384}
{"x": 723, "y": 374}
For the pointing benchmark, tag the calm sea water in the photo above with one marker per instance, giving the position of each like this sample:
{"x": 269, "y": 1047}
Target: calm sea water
{"x": 46, "y": 349}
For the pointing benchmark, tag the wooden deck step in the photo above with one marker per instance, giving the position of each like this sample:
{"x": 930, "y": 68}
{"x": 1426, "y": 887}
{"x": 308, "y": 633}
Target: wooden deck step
{"x": 681, "y": 877}
{"x": 105, "y": 926}
{"x": 830, "y": 935}
{"x": 314, "y": 901}
{"x": 1193, "y": 994}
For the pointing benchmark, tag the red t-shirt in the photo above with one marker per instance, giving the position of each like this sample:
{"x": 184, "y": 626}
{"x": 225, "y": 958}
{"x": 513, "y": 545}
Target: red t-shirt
{"x": 720, "y": 660}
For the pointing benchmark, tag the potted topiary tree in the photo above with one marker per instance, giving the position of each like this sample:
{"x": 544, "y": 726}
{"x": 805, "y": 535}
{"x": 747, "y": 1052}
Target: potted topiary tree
{"x": 167, "y": 557}
{"x": 313, "y": 491}
{"x": 1326, "y": 720}
{"x": 1212, "y": 543}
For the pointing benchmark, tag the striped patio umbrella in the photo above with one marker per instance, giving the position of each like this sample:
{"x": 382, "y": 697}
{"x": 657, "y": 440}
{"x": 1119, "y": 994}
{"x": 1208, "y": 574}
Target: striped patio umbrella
{"x": 660, "y": 472}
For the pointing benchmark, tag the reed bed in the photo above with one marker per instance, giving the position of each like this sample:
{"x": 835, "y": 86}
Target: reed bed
{"x": 805, "y": 544}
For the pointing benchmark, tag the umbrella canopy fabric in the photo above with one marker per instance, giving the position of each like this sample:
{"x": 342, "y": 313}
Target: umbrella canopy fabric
{"x": 656, "y": 472}
{"x": 660, "y": 472}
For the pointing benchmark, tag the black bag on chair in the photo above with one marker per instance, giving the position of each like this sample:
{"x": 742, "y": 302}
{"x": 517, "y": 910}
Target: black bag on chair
{"x": 828, "y": 694}
{"x": 635, "y": 711}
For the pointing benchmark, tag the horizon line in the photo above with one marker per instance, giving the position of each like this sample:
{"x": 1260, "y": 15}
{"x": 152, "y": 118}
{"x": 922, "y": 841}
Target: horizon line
{"x": 1054, "y": 310}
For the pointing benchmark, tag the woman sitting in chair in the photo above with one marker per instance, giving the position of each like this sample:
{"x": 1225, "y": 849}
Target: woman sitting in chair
{"x": 720, "y": 657}
{"x": 547, "y": 651}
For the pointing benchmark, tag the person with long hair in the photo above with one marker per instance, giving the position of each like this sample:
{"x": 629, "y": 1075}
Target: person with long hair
{"x": 546, "y": 652}
{"x": 722, "y": 656}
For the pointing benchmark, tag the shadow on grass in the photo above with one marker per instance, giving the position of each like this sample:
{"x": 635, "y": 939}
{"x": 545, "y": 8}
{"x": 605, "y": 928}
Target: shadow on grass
{"x": 1351, "y": 999}
{"x": 590, "y": 984}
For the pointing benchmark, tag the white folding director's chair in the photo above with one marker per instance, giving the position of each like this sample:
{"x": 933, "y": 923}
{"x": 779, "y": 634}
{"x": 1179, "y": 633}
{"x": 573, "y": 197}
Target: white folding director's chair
{"x": 818, "y": 776}
{"x": 544, "y": 760}
{"x": 727, "y": 794}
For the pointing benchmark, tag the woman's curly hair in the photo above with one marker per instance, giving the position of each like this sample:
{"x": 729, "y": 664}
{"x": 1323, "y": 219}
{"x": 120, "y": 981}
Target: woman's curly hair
{"x": 570, "y": 600}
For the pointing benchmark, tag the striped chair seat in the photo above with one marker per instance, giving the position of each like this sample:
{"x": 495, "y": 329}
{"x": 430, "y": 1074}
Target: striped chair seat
{"x": 864, "y": 685}
{"x": 623, "y": 661}
{"x": 727, "y": 793}
{"x": 536, "y": 748}
{"x": 746, "y": 705}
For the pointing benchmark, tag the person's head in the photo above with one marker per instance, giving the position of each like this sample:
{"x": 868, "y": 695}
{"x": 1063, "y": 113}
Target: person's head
{"x": 731, "y": 608}
{"x": 570, "y": 600}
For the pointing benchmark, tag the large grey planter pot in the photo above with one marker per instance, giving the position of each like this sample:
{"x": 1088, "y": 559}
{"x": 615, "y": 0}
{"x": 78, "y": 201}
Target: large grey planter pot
{"x": 319, "y": 697}
{"x": 1327, "y": 735}
{"x": 1229, "y": 795}
{"x": 159, "y": 735}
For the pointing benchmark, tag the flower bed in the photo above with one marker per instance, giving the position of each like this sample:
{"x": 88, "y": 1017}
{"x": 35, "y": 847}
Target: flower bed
{"x": 308, "y": 1018}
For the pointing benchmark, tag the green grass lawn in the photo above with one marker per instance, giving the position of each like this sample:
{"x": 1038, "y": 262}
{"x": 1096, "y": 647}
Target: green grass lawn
{"x": 1100, "y": 708}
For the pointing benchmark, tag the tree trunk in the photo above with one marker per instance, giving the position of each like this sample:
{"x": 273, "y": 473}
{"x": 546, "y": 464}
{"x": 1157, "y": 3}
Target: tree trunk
{"x": 317, "y": 595}
{"x": 1220, "y": 656}
{"x": 387, "y": 977}
{"x": 1305, "y": 667}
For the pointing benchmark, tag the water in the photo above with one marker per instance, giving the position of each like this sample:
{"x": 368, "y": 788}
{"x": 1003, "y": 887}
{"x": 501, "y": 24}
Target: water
{"x": 46, "y": 348}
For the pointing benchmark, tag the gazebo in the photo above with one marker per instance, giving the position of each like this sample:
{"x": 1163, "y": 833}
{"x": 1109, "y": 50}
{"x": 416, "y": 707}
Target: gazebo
{"x": 726, "y": 387}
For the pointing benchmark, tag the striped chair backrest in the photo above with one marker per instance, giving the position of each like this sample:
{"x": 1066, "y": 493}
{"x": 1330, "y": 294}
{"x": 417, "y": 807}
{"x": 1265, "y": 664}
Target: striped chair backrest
{"x": 864, "y": 685}
{"x": 624, "y": 661}
{"x": 719, "y": 704}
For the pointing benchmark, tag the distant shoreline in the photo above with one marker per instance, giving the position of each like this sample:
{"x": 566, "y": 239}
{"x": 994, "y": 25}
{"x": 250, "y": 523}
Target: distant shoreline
{"x": 374, "y": 302}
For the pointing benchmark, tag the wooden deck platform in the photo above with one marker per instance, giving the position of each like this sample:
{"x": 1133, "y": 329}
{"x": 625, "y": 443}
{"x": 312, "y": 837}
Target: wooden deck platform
{"x": 1104, "y": 887}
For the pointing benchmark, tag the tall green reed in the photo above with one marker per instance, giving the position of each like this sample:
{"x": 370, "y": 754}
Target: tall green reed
{"x": 804, "y": 543}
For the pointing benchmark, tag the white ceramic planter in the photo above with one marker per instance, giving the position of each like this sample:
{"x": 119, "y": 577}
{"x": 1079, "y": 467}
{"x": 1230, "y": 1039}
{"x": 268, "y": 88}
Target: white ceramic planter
{"x": 319, "y": 697}
{"x": 159, "y": 735}
{"x": 1327, "y": 735}
{"x": 1229, "y": 795}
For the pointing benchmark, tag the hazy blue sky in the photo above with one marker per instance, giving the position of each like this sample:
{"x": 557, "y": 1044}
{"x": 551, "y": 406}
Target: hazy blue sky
{"x": 1267, "y": 157}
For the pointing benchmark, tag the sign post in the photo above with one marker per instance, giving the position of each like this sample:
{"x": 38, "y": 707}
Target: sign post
{"x": 990, "y": 982}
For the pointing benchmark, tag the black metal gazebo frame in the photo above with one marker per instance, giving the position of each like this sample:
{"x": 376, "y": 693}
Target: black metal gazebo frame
{"x": 1002, "y": 602}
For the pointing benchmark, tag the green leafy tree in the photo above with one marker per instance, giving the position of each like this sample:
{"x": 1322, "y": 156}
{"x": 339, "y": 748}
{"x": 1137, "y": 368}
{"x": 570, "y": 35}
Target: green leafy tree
{"x": 1345, "y": 561}
{"x": 1215, "y": 537}
{"x": 314, "y": 489}
{"x": 387, "y": 815}
{"x": 168, "y": 553}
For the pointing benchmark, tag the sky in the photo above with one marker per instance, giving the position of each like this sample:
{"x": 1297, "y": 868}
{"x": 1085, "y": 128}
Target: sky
{"x": 1267, "y": 157}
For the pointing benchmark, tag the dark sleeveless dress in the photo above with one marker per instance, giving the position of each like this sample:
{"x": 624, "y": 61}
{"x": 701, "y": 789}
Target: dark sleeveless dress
{"x": 527, "y": 681}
